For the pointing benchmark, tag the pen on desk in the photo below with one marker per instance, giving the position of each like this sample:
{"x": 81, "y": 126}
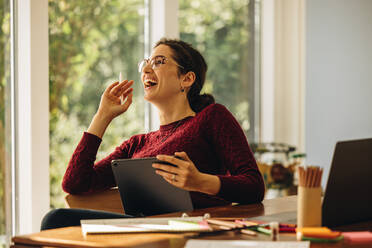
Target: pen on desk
{"x": 287, "y": 225}
{"x": 248, "y": 232}
{"x": 287, "y": 229}
{"x": 263, "y": 230}
{"x": 246, "y": 223}
{"x": 225, "y": 228}
{"x": 224, "y": 223}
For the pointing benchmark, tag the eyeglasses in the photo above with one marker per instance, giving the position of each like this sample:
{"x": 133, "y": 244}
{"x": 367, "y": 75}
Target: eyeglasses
{"x": 156, "y": 62}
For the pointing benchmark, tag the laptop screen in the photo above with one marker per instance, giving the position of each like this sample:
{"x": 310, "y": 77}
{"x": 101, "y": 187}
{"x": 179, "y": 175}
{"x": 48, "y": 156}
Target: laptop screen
{"x": 348, "y": 195}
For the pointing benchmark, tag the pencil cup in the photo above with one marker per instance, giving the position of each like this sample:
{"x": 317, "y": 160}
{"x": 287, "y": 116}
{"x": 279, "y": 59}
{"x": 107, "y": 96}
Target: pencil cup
{"x": 309, "y": 207}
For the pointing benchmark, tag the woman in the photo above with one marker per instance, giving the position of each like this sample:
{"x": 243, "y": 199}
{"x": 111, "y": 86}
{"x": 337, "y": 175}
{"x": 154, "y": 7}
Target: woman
{"x": 216, "y": 164}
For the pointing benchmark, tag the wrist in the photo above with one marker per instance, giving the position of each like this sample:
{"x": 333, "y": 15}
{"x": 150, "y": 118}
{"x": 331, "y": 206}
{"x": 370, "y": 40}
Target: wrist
{"x": 98, "y": 125}
{"x": 103, "y": 117}
{"x": 210, "y": 184}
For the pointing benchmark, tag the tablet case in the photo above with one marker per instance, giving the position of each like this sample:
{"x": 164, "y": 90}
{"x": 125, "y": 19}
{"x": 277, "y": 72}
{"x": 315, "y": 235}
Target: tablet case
{"x": 143, "y": 192}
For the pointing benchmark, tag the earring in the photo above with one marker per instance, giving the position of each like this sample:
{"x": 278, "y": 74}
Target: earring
{"x": 182, "y": 89}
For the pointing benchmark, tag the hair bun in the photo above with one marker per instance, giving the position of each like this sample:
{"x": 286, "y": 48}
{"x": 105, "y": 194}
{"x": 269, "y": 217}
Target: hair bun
{"x": 201, "y": 102}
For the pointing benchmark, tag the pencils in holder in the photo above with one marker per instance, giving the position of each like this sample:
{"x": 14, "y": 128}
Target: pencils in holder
{"x": 309, "y": 202}
{"x": 310, "y": 176}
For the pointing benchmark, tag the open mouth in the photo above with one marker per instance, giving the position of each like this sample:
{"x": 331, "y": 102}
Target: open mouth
{"x": 148, "y": 84}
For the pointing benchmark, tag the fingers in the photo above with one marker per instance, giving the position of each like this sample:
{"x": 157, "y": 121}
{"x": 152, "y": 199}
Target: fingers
{"x": 121, "y": 87}
{"x": 126, "y": 93}
{"x": 182, "y": 155}
{"x": 173, "y": 160}
{"x": 173, "y": 179}
{"x": 127, "y": 102}
{"x": 168, "y": 176}
{"x": 110, "y": 87}
{"x": 173, "y": 182}
{"x": 125, "y": 87}
{"x": 166, "y": 168}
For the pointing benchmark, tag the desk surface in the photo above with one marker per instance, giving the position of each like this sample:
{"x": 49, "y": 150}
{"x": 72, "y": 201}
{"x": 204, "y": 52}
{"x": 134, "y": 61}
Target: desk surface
{"x": 72, "y": 236}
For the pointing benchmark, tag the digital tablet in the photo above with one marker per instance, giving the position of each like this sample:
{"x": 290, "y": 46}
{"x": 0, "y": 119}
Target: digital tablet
{"x": 143, "y": 192}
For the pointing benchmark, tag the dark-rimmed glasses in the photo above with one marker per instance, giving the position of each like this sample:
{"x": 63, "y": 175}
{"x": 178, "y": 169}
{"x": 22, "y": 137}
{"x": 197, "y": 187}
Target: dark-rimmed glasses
{"x": 156, "y": 62}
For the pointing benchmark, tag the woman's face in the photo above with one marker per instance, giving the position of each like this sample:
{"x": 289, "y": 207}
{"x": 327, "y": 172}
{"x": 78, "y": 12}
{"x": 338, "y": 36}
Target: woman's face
{"x": 161, "y": 81}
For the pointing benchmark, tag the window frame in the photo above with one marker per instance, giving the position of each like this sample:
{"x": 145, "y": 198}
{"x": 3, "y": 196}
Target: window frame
{"x": 31, "y": 115}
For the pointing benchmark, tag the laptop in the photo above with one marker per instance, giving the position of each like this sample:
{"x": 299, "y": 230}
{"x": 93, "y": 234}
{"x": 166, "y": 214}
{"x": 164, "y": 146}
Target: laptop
{"x": 348, "y": 195}
{"x": 145, "y": 193}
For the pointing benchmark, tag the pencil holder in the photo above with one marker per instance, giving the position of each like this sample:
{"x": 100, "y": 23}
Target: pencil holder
{"x": 309, "y": 207}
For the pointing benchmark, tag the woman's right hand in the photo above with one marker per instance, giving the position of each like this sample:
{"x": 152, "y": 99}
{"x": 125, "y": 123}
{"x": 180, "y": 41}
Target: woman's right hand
{"x": 111, "y": 104}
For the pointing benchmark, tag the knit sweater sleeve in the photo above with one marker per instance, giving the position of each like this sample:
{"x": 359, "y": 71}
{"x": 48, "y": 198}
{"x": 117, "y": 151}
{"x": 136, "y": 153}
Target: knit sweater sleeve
{"x": 243, "y": 183}
{"x": 83, "y": 175}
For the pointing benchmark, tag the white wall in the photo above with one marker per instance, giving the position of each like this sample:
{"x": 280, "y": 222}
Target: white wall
{"x": 338, "y": 75}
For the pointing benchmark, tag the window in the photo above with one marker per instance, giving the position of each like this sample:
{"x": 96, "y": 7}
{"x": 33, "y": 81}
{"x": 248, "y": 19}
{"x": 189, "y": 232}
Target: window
{"x": 90, "y": 42}
{"x": 223, "y": 31}
{"x": 5, "y": 123}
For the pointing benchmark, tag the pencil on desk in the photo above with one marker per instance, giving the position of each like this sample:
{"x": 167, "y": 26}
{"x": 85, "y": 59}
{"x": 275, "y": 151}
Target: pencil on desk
{"x": 246, "y": 223}
{"x": 248, "y": 232}
{"x": 264, "y": 230}
{"x": 224, "y": 223}
{"x": 225, "y": 228}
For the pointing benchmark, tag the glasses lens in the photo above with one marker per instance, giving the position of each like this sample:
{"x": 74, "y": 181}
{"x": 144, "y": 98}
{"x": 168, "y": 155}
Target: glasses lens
{"x": 157, "y": 61}
{"x": 141, "y": 65}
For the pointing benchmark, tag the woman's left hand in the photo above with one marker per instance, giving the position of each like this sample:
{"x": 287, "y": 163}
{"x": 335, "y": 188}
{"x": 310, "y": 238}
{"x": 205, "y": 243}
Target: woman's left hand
{"x": 183, "y": 175}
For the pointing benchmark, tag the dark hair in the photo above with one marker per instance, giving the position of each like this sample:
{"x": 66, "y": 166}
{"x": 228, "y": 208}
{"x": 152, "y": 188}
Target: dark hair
{"x": 191, "y": 60}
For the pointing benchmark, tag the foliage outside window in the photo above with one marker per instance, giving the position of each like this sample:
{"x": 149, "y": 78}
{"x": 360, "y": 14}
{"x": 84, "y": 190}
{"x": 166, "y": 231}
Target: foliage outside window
{"x": 90, "y": 42}
{"x": 221, "y": 31}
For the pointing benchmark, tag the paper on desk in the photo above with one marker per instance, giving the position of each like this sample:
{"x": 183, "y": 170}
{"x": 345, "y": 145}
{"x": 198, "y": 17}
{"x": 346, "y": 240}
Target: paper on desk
{"x": 195, "y": 243}
{"x": 130, "y": 225}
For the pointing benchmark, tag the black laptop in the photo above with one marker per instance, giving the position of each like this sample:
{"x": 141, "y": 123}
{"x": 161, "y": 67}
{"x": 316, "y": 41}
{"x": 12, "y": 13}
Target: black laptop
{"x": 145, "y": 193}
{"x": 348, "y": 195}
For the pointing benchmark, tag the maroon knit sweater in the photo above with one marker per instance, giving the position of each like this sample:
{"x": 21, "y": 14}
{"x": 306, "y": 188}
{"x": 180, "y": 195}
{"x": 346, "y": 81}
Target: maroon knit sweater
{"x": 212, "y": 139}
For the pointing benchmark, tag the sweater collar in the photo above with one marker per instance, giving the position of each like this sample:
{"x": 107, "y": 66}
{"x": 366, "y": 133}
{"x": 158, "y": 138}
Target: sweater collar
{"x": 171, "y": 125}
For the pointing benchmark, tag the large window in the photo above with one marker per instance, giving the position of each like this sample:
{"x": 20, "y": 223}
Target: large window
{"x": 90, "y": 43}
{"x": 223, "y": 31}
{"x": 5, "y": 134}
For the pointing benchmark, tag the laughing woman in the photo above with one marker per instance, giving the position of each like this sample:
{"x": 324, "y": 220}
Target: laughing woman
{"x": 217, "y": 165}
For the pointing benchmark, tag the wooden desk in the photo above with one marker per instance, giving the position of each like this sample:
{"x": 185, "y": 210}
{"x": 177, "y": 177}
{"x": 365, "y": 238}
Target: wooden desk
{"x": 72, "y": 236}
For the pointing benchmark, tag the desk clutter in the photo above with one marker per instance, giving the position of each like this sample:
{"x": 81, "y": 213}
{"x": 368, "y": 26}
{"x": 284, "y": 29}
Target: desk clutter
{"x": 280, "y": 210}
{"x": 145, "y": 225}
{"x": 184, "y": 224}
{"x": 205, "y": 224}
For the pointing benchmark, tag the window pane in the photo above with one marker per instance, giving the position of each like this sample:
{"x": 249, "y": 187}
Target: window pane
{"x": 222, "y": 32}
{"x": 90, "y": 42}
{"x": 5, "y": 134}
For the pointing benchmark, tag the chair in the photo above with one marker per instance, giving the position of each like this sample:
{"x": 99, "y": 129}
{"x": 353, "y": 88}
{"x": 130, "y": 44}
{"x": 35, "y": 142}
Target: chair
{"x": 108, "y": 200}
